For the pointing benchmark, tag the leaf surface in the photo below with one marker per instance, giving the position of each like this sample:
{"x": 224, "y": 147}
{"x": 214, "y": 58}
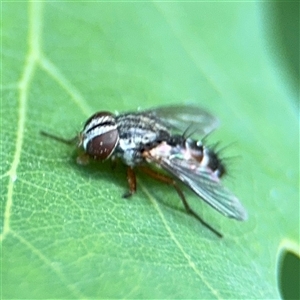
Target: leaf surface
{"x": 66, "y": 230}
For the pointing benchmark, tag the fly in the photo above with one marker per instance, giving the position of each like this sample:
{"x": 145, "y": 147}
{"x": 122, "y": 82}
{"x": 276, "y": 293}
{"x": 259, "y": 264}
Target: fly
{"x": 157, "y": 137}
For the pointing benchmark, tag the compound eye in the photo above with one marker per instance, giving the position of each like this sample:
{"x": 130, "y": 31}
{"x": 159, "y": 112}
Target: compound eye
{"x": 100, "y": 135}
{"x": 102, "y": 146}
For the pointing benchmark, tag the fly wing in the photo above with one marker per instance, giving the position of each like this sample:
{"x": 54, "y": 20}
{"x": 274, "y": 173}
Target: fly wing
{"x": 185, "y": 119}
{"x": 206, "y": 185}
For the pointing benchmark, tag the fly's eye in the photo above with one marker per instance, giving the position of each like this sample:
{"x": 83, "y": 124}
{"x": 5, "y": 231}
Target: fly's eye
{"x": 100, "y": 135}
{"x": 102, "y": 146}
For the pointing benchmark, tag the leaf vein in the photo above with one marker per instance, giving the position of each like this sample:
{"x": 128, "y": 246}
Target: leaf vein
{"x": 50, "y": 264}
{"x": 34, "y": 32}
{"x": 57, "y": 75}
{"x": 191, "y": 264}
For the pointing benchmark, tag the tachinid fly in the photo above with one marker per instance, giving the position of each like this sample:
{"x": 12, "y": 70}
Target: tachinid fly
{"x": 158, "y": 137}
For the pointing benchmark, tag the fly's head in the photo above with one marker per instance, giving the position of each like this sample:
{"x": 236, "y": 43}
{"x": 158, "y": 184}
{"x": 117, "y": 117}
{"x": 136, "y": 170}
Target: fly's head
{"x": 99, "y": 136}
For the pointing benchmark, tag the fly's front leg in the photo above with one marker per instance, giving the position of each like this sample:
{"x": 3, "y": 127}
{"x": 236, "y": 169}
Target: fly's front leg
{"x": 131, "y": 178}
{"x": 172, "y": 182}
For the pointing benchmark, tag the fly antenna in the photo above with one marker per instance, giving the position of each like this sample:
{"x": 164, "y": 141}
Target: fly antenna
{"x": 59, "y": 139}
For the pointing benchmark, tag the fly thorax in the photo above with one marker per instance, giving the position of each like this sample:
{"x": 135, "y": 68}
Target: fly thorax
{"x": 136, "y": 138}
{"x": 133, "y": 143}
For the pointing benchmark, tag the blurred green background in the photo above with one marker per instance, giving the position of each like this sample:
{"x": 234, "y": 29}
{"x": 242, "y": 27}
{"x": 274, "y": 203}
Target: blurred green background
{"x": 66, "y": 231}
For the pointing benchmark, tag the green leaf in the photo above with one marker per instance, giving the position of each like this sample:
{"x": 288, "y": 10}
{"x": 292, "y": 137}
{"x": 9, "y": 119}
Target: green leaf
{"x": 66, "y": 230}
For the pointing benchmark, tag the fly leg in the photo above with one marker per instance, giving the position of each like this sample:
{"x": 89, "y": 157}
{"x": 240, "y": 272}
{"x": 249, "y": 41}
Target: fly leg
{"x": 172, "y": 182}
{"x": 131, "y": 178}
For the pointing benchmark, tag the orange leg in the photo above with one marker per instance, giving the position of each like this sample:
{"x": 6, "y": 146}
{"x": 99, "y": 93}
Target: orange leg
{"x": 131, "y": 178}
{"x": 172, "y": 182}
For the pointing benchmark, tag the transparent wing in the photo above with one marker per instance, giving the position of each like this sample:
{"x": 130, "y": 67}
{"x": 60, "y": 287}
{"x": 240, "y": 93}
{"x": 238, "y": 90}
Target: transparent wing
{"x": 206, "y": 185}
{"x": 185, "y": 118}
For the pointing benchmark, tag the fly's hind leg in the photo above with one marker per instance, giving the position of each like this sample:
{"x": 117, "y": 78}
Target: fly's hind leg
{"x": 172, "y": 182}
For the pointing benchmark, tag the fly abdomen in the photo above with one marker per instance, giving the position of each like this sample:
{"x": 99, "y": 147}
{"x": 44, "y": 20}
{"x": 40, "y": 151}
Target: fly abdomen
{"x": 215, "y": 163}
{"x": 206, "y": 157}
